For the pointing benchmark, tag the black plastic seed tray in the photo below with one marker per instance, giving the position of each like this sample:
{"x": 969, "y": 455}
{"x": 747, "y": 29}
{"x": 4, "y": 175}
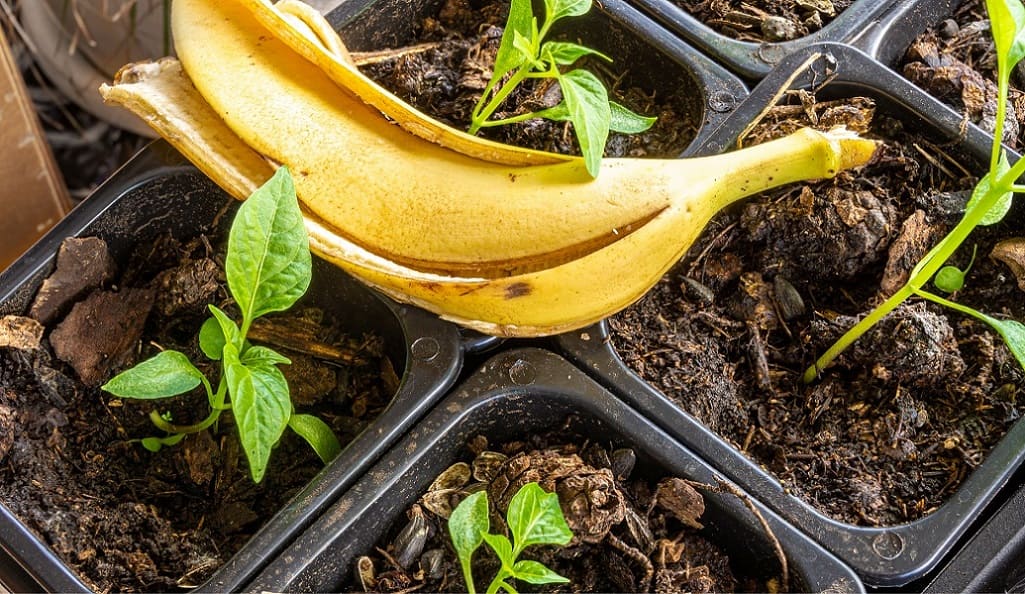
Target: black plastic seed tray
{"x": 516, "y": 394}
{"x": 994, "y": 559}
{"x": 157, "y": 193}
{"x": 865, "y": 23}
{"x": 890, "y": 556}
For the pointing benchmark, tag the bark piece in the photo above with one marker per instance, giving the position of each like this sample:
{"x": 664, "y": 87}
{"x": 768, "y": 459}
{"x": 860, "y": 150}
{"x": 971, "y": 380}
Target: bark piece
{"x": 83, "y": 264}
{"x": 98, "y": 335}
{"x": 22, "y": 333}
{"x": 188, "y": 287}
{"x": 1012, "y": 253}
{"x": 682, "y": 500}
{"x": 916, "y": 237}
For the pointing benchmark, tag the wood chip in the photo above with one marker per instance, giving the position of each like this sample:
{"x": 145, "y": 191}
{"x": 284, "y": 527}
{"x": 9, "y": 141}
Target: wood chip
{"x": 20, "y": 333}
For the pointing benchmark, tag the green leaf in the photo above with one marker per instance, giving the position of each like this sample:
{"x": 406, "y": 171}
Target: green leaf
{"x": 1007, "y": 24}
{"x": 622, "y": 119}
{"x": 316, "y": 433}
{"x": 211, "y": 339}
{"x": 230, "y": 331}
{"x": 268, "y": 265}
{"x": 949, "y": 279}
{"x": 533, "y": 572}
{"x": 565, "y": 53}
{"x": 260, "y": 403}
{"x": 557, "y": 113}
{"x": 535, "y": 517}
{"x": 526, "y": 48}
{"x": 167, "y": 374}
{"x": 588, "y": 106}
{"x": 520, "y": 22}
{"x": 261, "y": 355}
{"x": 467, "y": 526}
{"x": 155, "y": 444}
{"x": 559, "y": 9}
{"x": 625, "y": 121}
{"x": 1013, "y": 333}
{"x": 501, "y": 545}
{"x": 1002, "y": 204}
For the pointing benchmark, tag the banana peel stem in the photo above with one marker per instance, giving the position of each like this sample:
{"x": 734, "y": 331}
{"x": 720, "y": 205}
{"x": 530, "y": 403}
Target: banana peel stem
{"x": 807, "y": 154}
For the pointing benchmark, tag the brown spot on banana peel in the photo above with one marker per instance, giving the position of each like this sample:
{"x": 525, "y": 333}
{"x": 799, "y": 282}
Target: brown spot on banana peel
{"x": 517, "y": 290}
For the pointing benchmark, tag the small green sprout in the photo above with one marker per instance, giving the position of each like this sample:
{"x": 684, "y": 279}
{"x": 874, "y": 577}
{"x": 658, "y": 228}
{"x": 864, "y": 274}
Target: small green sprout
{"x": 524, "y": 53}
{"x": 950, "y": 278}
{"x": 534, "y": 518}
{"x": 990, "y": 201}
{"x": 268, "y": 267}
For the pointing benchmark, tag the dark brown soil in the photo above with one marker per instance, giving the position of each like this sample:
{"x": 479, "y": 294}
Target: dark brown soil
{"x": 634, "y": 531}
{"x": 450, "y": 60}
{"x": 887, "y": 434}
{"x": 764, "y": 20}
{"x": 956, "y": 62}
{"x": 126, "y": 519}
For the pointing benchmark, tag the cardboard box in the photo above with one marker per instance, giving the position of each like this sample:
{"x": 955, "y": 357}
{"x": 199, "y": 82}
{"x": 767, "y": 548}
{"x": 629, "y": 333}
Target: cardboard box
{"x": 33, "y": 196}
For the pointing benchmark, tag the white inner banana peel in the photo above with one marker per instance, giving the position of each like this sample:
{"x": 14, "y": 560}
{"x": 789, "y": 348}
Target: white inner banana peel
{"x": 507, "y": 241}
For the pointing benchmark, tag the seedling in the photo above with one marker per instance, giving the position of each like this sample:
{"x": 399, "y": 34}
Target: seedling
{"x": 268, "y": 267}
{"x": 990, "y": 201}
{"x": 951, "y": 278}
{"x": 526, "y": 54}
{"x": 534, "y": 518}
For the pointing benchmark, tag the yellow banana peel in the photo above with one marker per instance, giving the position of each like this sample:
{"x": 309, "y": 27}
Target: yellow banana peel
{"x": 509, "y": 250}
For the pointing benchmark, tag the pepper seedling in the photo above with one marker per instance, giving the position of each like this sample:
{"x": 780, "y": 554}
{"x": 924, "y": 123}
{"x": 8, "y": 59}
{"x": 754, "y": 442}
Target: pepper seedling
{"x": 534, "y": 518}
{"x": 989, "y": 203}
{"x": 268, "y": 267}
{"x": 950, "y": 279}
{"x": 526, "y": 54}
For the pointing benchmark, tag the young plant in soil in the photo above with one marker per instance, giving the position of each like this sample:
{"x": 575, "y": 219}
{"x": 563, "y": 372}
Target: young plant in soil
{"x": 617, "y": 524}
{"x": 534, "y": 518}
{"x": 268, "y": 268}
{"x": 524, "y": 53}
{"x": 989, "y": 203}
{"x": 956, "y": 62}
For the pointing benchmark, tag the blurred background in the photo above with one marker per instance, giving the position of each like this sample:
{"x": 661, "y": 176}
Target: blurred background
{"x": 59, "y": 140}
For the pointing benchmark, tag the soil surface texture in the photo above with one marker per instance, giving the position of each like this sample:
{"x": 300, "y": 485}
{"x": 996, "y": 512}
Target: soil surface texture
{"x": 634, "y": 530}
{"x": 764, "y": 20}
{"x": 956, "y": 63}
{"x": 889, "y": 432}
{"x": 71, "y": 467}
{"x": 447, "y": 65}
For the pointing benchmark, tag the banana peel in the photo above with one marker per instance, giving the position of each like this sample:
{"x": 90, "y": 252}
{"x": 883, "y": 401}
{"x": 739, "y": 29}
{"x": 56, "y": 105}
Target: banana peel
{"x": 564, "y": 279}
{"x": 304, "y": 30}
{"x": 372, "y": 182}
